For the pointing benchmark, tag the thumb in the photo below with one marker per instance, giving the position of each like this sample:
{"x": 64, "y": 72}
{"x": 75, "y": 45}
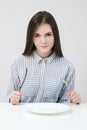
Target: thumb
{"x": 20, "y": 92}
{"x": 69, "y": 94}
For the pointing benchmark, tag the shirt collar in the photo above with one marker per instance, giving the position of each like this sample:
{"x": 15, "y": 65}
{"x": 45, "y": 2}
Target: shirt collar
{"x": 47, "y": 60}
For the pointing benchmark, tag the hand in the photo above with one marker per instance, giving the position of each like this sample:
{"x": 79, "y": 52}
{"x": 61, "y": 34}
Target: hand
{"x": 74, "y": 97}
{"x": 15, "y": 97}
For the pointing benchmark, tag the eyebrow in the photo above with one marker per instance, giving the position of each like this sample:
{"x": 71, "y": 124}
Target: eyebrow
{"x": 49, "y": 32}
{"x": 45, "y": 33}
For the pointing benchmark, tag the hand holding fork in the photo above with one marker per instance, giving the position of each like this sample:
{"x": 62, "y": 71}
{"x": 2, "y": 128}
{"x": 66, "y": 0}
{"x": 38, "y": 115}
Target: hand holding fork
{"x": 16, "y": 94}
{"x": 73, "y": 95}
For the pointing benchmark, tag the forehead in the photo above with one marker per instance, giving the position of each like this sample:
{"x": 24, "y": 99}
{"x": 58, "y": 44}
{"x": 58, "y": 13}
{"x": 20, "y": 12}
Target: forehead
{"x": 43, "y": 28}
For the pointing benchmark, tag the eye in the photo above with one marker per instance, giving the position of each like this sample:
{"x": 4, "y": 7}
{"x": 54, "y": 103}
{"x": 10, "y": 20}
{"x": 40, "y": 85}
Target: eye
{"x": 36, "y": 35}
{"x": 49, "y": 34}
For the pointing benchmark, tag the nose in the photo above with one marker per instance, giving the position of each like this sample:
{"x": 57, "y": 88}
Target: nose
{"x": 43, "y": 40}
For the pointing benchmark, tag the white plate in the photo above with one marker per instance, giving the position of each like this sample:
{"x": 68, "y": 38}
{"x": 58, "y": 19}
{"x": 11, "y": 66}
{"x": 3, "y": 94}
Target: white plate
{"x": 47, "y": 108}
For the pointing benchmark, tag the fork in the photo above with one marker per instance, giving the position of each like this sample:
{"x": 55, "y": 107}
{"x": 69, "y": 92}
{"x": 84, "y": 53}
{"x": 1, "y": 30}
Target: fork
{"x": 23, "y": 79}
{"x": 66, "y": 84}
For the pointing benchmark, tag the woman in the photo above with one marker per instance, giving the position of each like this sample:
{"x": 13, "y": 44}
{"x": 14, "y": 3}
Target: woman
{"x": 41, "y": 73}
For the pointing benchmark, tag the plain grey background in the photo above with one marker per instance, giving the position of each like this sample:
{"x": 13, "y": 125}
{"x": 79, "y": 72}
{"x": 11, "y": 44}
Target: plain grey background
{"x": 71, "y": 17}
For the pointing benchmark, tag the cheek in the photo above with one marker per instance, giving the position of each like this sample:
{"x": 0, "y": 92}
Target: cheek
{"x": 52, "y": 42}
{"x": 52, "y": 45}
{"x": 35, "y": 44}
{"x": 35, "y": 41}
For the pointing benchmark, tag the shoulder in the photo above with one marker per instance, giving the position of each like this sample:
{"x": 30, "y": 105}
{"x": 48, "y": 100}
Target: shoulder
{"x": 64, "y": 62}
{"x": 20, "y": 61}
{"x": 69, "y": 64}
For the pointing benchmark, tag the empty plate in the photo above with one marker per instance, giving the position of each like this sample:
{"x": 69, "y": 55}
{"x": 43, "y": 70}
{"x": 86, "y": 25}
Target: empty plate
{"x": 47, "y": 108}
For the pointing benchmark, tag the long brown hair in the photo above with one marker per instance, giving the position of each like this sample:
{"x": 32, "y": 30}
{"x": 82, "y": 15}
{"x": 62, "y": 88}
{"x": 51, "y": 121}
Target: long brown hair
{"x": 36, "y": 20}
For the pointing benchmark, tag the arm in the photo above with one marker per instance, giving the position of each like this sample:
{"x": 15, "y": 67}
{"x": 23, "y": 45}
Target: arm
{"x": 68, "y": 86}
{"x": 12, "y": 92}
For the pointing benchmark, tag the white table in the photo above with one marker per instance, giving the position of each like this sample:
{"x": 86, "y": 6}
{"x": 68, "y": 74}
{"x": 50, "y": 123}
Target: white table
{"x": 14, "y": 117}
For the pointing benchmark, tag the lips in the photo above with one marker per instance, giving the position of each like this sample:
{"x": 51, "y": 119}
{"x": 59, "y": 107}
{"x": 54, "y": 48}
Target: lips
{"x": 44, "y": 46}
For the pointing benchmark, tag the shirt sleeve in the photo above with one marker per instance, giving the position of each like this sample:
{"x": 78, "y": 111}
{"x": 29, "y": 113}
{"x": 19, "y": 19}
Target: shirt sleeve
{"x": 13, "y": 84}
{"x": 68, "y": 85}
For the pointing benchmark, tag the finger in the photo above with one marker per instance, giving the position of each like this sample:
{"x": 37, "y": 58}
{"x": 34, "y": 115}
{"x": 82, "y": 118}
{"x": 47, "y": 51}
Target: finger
{"x": 72, "y": 93}
{"x": 75, "y": 96}
{"x": 14, "y": 97}
{"x": 17, "y": 93}
{"x": 14, "y": 101}
{"x": 76, "y": 99}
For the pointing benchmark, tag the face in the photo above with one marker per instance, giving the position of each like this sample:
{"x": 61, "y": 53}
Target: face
{"x": 43, "y": 40}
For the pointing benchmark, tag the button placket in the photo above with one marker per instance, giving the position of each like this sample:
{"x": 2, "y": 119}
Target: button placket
{"x": 42, "y": 80}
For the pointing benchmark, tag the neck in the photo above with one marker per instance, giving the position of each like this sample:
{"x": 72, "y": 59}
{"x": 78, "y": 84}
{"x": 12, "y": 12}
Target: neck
{"x": 44, "y": 55}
